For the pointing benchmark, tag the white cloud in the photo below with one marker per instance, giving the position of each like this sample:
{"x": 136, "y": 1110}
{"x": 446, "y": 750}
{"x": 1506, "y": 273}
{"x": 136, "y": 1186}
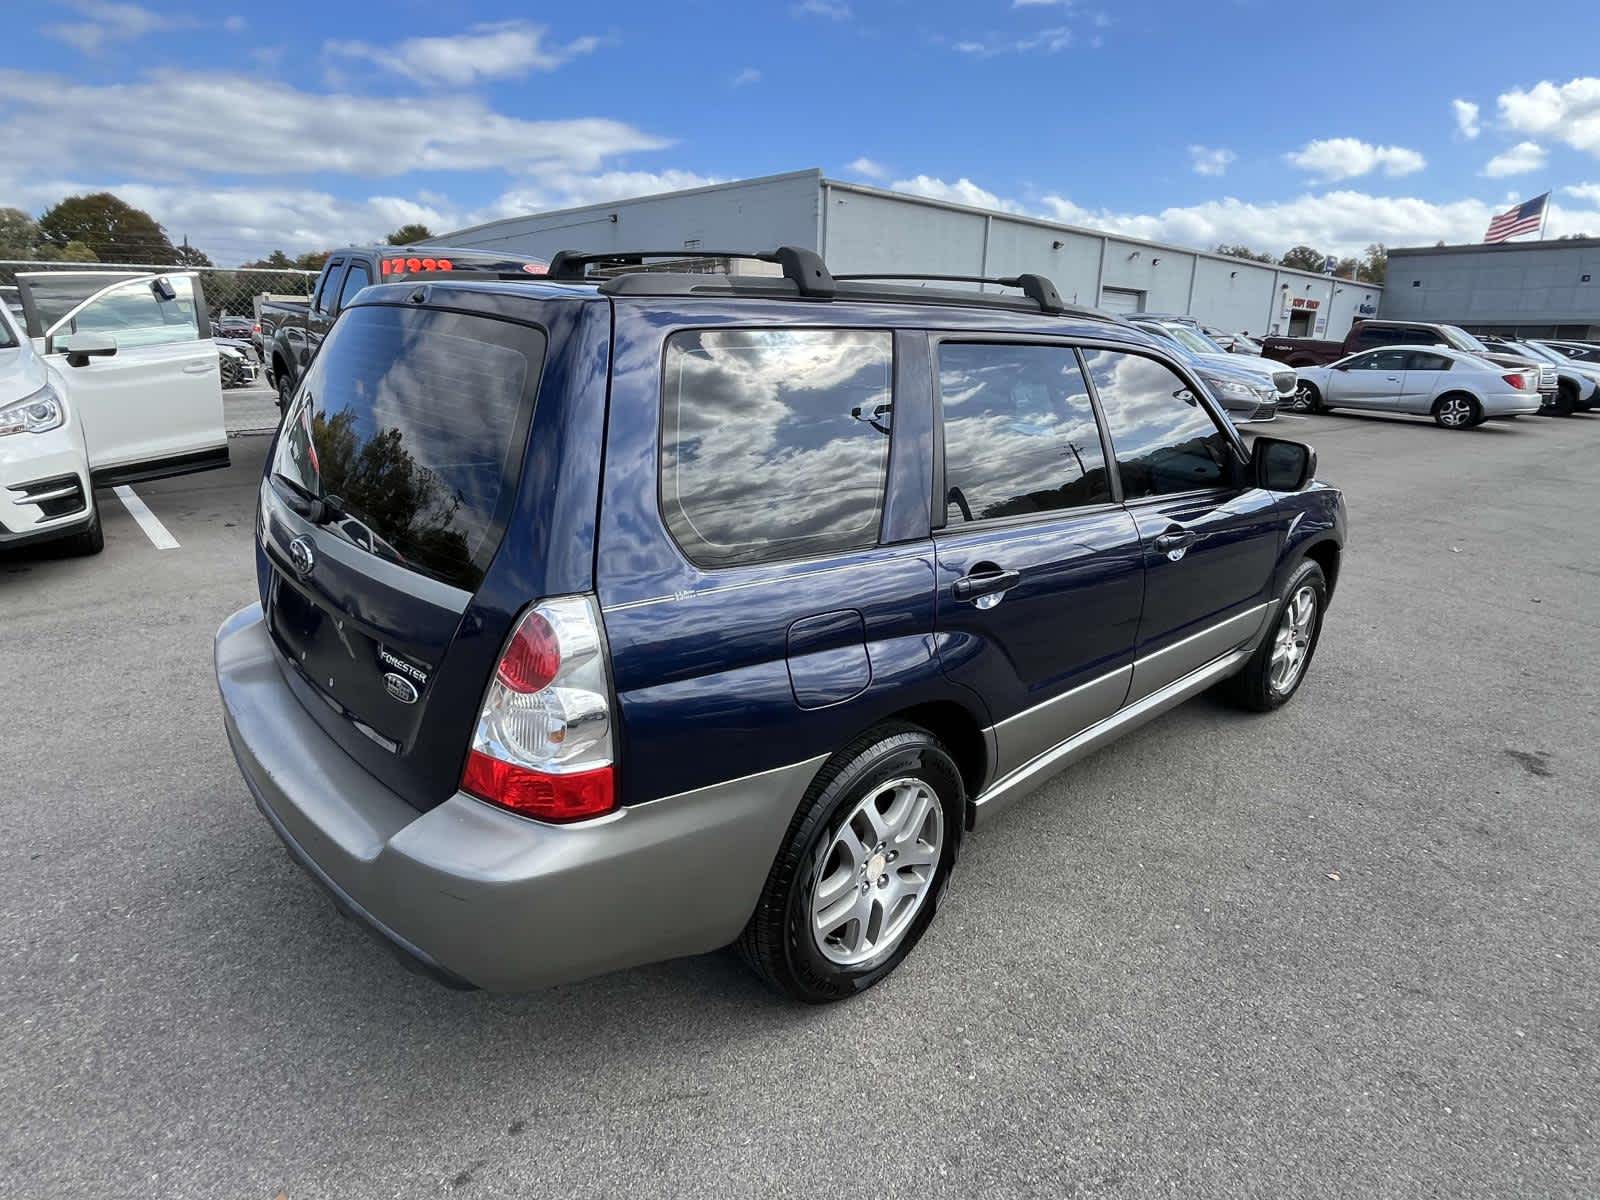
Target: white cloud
{"x": 506, "y": 49}
{"x": 1345, "y": 157}
{"x": 833, "y": 10}
{"x": 1045, "y": 41}
{"x": 149, "y": 128}
{"x": 868, "y": 168}
{"x": 747, "y": 76}
{"x": 1519, "y": 160}
{"x": 1466, "y": 118}
{"x": 962, "y": 191}
{"x": 1568, "y": 112}
{"x": 110, "y": 22}
{"x": 1584, "y": 191}
{"x": 1338, "y": 222}
{"x": 1208, "y": 160}
{"x": 241, "y": 224}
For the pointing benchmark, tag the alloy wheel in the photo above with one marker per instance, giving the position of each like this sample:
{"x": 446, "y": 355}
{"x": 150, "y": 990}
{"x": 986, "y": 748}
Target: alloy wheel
{"x": 877, "y": 872}
{"x": 1302, "y": 401}
{"x": 1456, "y": 412}
{"x": 1291, "y": 644}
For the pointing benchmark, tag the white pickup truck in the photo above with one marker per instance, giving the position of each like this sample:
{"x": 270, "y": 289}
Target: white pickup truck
{"x": 110, "y": 377}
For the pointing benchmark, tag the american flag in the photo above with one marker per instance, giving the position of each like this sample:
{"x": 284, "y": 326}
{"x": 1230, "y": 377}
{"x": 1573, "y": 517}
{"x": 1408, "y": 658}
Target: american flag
{"x": 1524, "y": 218}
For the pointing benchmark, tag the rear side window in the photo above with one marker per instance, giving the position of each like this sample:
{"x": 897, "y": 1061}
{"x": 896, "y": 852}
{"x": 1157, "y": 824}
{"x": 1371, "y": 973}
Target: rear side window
{"x": 411, "y": 424}
{"x": 1418, "y": 361}
{"x": 356, "y": 278}
{"x": 774, "y": 442}
{"x": 1165, "y": 440}
{"x": 1020, "y": 434}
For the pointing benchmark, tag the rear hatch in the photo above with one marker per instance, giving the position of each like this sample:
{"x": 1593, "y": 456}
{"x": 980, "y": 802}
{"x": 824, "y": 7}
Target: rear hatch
{"x": 385, "y": 501}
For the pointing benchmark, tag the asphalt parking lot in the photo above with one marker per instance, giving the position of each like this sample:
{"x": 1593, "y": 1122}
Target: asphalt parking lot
{"x": 1347, "y": 949}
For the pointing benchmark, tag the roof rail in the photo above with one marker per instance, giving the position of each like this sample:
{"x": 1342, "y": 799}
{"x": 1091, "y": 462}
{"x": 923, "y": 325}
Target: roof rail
{"x": 804, "y": 268}
{"x": 1037, "y": 288}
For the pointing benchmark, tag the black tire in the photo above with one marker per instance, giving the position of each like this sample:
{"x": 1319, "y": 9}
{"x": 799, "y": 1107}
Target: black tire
{"x": 89, "y": 540}
{"x": 232, "y": 373}
{"x": 1307, "y": 398}
{"x": 1252, "y": 688}
{"x": 1449, "y": 411}
{"x": 1566, "y": 401}
{"x": 778, "y": 942}
{"x": 285, "y": 392}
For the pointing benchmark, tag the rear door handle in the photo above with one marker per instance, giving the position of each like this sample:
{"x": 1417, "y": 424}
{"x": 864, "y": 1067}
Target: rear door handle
{"x": 199, "y": 366}
{"x": 1175, "y": 543}
{"x": 987, "y": 589}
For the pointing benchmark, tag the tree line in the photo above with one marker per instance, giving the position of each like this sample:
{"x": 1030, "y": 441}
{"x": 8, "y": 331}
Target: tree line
{"x": 1371, "y": 267}
{"x": 102, "y": 227}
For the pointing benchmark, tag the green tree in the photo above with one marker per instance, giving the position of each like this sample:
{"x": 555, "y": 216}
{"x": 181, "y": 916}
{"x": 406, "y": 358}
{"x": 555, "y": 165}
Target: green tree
{"x": 312, "y": 260}
{"x": 406, "y": 234}
{"x": 1348, "y": 268}
{"x": 1375, "y": 263}
{"x": 111, "y": 227}
{"x": 191, "y": 256}
{"x": 71, "y": 252}
{"x": 276, "y": 261}
{"x": 19, "y": 234}
{"x": 1240, "y": 251}
{"x": 1302, "y": 258}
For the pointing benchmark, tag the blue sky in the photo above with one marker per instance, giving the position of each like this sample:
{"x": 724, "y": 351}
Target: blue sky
{"x": 307, "y": 124}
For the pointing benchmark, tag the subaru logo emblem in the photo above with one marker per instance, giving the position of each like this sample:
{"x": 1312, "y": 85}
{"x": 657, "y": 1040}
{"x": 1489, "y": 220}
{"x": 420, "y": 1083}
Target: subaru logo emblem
{"x": 301, "y": 557}
{"x": 401, "y": 688}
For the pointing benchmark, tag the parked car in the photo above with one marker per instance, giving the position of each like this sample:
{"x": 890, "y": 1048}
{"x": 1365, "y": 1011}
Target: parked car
{"x": 1587, "y": 352}
{"x": 236, "y": 363}
{"x": 1186, "y": 332}
{"x": 236, "y": 328}
{"x": 1234, "y": 343}
{"x": 138, "y": 374}
{"x": 656, "y": 633}
{"x": 1459, "y": 390}
{"x": 44, "y": 464}
{"x": 1374, "y": 334}
{"x": 291, "y": 331}
{"x": 1575, "y": 385}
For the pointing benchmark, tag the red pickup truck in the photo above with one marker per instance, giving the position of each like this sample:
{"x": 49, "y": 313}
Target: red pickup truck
{"x": 1373, "y": 335}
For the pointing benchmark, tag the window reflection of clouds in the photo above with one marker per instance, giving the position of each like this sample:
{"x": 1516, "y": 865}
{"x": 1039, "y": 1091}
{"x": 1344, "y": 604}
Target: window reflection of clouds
{"x": 1020, "y": 434}
{"x": 761, "y": 455}
{"x": 1165, "y": 441}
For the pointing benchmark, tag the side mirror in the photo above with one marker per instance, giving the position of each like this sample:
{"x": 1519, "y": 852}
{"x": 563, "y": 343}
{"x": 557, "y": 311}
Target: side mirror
{"x": 81, "y": 347}
{"x": 1279, "y": 465}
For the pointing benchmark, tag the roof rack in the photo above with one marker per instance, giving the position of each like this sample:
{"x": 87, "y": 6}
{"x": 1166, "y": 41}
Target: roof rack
{"x": 804, "y": 268}
{"x": 1037, "y": 288}
{"x": 804, "y": 272}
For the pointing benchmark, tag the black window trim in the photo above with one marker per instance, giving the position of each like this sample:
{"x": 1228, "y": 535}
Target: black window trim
{"x": 350, "y": 268}
{"x": 786, "y": 560}
{"x": 331, "y": 270}
{"x": 938, "y": 508}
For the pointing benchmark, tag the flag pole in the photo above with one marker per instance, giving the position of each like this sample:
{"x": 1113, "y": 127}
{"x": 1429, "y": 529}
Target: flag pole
{"x": 1544, "y": 215}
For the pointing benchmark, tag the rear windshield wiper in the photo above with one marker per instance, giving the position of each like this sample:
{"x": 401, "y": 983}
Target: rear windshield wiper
{"x": 319, "y": 510}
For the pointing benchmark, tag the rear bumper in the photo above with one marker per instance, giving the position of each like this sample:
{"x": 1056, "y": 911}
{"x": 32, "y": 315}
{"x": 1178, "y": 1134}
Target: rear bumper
{"x": 1511, "y": 404}
{"x": 479, "y": 897}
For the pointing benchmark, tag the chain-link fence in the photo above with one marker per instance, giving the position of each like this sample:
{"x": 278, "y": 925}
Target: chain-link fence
{"x": 229, "y": 291}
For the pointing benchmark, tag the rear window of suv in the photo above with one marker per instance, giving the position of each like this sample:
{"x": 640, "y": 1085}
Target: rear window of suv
{"x": 411, "y": 423}
{"x": 774, "y": 442}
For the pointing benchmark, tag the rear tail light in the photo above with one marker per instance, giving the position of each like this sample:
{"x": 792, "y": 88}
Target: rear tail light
{"x": 542, "y": 747}
{"x": 1518, "y": 380}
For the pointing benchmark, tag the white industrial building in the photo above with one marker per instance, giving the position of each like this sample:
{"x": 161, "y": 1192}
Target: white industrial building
{"x": 858, "y": 228}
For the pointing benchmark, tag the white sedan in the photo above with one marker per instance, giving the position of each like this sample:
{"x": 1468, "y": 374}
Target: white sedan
{"x": 1457, "y": 389}
{"x": 105, "y": 379}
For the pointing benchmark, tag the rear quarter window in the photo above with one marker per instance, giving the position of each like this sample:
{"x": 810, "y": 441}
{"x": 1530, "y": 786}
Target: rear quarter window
{"x": 412, "y": 423}
{"x": 774, "y": 442}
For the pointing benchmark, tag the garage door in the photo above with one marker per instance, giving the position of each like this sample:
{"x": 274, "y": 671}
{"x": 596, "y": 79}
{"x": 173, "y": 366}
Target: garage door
{"x": 1120, "y": 300}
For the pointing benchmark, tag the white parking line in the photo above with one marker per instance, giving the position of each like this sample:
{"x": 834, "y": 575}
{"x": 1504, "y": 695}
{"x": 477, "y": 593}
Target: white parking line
{"x": 148, "y": 521}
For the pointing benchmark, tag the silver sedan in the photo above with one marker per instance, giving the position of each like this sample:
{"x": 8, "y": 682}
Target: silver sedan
{"x": 1457, "y": 389}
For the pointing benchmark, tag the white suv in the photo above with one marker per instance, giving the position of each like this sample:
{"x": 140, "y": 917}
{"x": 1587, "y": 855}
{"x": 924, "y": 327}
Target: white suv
{"x": 106, "y": 379}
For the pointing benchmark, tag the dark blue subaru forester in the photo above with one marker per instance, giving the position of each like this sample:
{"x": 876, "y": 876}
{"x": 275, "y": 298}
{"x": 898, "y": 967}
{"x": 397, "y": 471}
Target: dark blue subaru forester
{"x": 633, "y": 613}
